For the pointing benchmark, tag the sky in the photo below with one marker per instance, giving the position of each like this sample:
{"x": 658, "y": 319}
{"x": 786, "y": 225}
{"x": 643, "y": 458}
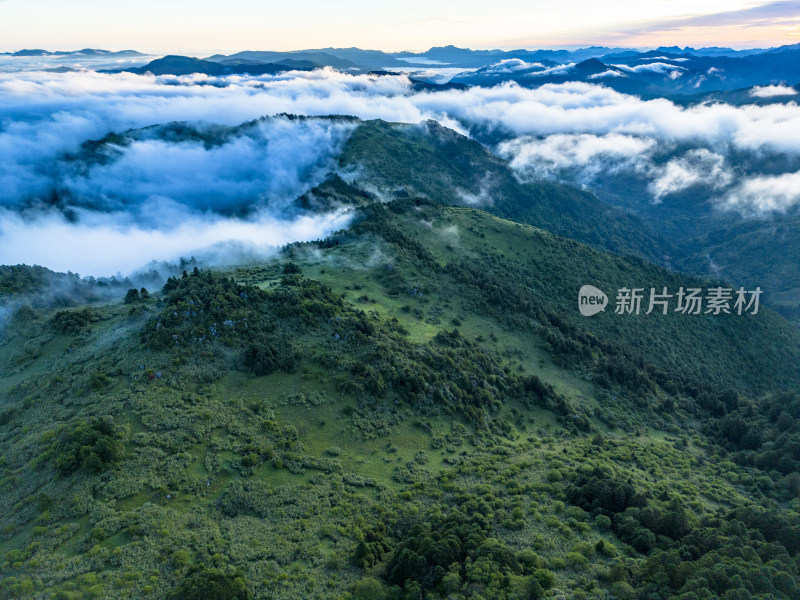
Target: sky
{"x": 202, "y": 27}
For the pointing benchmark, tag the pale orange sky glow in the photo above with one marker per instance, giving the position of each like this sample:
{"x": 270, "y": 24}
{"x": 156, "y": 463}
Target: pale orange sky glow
{"x": 734, "y": 37}
{"x": 202, "y": 26}
{"x": 760, "y": 25}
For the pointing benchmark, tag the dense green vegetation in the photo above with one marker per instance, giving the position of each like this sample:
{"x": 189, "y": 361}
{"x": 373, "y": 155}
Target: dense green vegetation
{"x": 92, "y": 446}
{"x": 410, "y": 409}
{"x": 686, "y": 231}
{"x": 211, "y": 584}
{"x": 437, "y": 162}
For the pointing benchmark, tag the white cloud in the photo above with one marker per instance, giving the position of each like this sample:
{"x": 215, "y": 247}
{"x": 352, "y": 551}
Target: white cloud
{"x": 573, "y": 125}
{"x": 483, "y": 198}
{"x": 557, "y": 70}
{"x": 655, "y": 67}
{"x": 699, "y": 166}
{"x": 608, "y": 73}
{"x": 771, "y": 91}
{"x": 512, "y": 65}
{"x": 114, "y": 102}
{"x": 270, "y": 164}
{"x": 109, "y": 243}
{"x": 757, "y": 195}
{"x": 588, "y": 153}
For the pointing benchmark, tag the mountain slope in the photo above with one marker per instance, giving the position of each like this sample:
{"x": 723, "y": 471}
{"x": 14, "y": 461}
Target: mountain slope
{"x": 714, "y": 240}
{"x": 412, "y": 406}
{"x": 381, "y": 159}
{"x": 452, "y": 169}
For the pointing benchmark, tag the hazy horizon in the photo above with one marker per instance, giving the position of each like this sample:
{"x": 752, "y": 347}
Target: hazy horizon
{"x": 204, "y": 28}
{"x": 204, "y": 52}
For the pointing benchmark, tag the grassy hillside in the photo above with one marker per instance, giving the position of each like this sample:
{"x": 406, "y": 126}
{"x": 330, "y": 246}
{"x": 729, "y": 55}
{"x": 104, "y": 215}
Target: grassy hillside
{"x": 412, "y": 408}
{"x": 439, "y": 163}
{"x": 688, "y": 232}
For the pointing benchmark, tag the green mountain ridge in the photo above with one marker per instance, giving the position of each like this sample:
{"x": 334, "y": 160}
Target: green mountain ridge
{"x": 450, "y": 168}
{"x": 391, "y": 160}
{"x": 410, "y": 408}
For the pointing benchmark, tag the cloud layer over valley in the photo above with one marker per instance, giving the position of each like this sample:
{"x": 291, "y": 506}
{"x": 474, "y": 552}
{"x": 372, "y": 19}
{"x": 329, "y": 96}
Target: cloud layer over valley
{"x": 164, "y": 192}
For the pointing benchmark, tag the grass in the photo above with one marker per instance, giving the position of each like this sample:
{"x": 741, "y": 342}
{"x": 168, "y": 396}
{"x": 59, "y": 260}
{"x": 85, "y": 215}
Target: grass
{"x": 332, "y": 465}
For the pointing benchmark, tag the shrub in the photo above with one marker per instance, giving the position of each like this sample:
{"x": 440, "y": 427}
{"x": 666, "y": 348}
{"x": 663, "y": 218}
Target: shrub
{"x": 368, "y": 588}
{"x": 70, "y": 322}
{"x": 205, "y": 583}
{"x": 132, "y": 295}
{"x": 92, "y": 445}
{"x": 529, "y": 560}
{"x": 575, "y": 559}
{"x": 545, "y": 578}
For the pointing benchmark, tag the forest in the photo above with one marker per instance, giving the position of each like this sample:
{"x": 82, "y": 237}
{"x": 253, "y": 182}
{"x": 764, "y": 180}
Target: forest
{"x": 410, "y": 409}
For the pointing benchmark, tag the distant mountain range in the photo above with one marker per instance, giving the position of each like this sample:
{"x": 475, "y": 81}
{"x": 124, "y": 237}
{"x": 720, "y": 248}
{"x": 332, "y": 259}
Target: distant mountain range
{"x": 652, "y": 73}
{"x": 330, "y": 57}
{"x": 93, "y": 52}
{"x": 184, "y": 65}
{"x": 666, "y": 71}
{"x": 454, "y": 57}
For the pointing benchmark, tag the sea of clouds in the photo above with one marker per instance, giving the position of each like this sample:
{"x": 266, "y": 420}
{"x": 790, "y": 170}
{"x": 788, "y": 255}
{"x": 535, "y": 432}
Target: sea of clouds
{"x": 158, "y": 199}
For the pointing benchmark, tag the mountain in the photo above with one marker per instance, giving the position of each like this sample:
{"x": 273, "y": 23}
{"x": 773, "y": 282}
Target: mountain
{"x": 709, "y": 51}
{"x": 745, "y": 249}
{"x": 320, "y": 58}
{"x": 36, "y": 52}
{"x": 89, "y": 52}
{"x": 450, "y": 168}
{"x": 687, "y": 232}
{"x": 299, "y": 65}
{"x": 61, "y": 69}
{"x": 666, "y": 71}
{"x": 357, "y": 56}
{"x": 415, "y": 406}
{"x": 466, "y": 58}
{"x": 781, "y": 49}
{"x": 744, "y": 96}
{"x": 449, "y": 56}
{"x": 100, "y": 53}
{"x": 453, "y": 397}
{"x": 402, "y": 160}
{"x": 650, "y": 74}
{"x": 412, "y": 404}
{"x": 185, "y": 65}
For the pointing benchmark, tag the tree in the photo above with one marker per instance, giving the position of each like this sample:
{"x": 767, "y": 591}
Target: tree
{"x": 203, "y": 583}
{"x": 368, "y": 588}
